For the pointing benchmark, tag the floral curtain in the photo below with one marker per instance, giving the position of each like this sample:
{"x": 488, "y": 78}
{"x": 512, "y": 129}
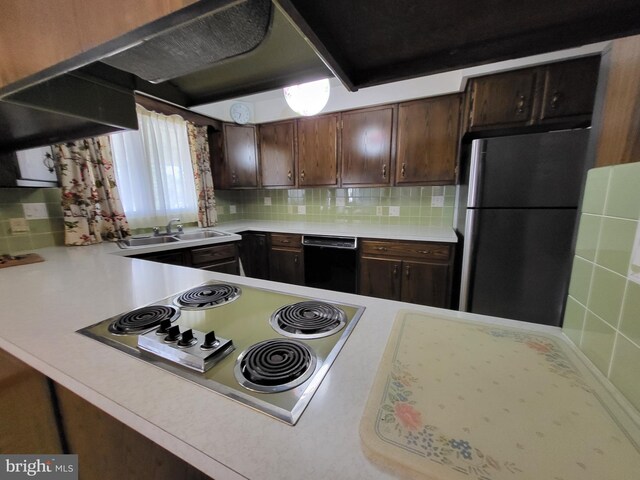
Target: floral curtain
{"x": 90, "y": 201}
{"x": 199, "y": 148}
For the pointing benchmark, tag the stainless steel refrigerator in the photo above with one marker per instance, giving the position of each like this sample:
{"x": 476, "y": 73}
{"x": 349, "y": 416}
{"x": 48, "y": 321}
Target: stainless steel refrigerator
{"x": 521, "y": 195}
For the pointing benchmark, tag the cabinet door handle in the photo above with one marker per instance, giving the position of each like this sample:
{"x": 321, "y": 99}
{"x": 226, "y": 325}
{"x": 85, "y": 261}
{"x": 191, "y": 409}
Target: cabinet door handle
{"x": 555, "y": 100}
{"x": 289, "y": 175}
{"x": 295, "y": 259}
{"x": 423, "y": 252}
{"x": 285, "y": 241}
{"x": 384, "y": 171}
{"x": 408, "y": 272}
{"x": 302, "y": 175}
{"x": 395, "y": 271}
{"x": 403, "y": 171}
{"x": 520, "y": 104}
{"x": 381, "y": 249}
{"x": 234, "y": 179}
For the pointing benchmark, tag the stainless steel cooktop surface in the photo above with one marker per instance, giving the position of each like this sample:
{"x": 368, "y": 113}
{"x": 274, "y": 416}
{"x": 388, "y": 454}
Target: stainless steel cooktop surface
{"x": 263, "y": 348}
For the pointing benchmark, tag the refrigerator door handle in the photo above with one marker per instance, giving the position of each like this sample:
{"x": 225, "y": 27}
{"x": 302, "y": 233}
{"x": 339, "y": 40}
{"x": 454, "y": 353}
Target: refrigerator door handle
{"x": 475, "y": 172}
{"x": 467, "y": 255}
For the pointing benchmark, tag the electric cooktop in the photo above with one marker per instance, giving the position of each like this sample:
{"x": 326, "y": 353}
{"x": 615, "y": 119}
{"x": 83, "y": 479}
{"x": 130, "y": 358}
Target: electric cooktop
{"x": 265, "y": 349}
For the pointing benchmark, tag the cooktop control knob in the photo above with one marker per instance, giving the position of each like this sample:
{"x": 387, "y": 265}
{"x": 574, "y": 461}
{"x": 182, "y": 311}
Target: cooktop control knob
{"x": 210, "y": 340}
{"x": 164, "y": 326}
{"x": 187, "y": 338}
{"x": 173, "y": 333}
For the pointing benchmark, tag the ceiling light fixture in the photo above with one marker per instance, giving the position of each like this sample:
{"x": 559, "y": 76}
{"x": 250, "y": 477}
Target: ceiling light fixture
{"x": 308, "y": 98}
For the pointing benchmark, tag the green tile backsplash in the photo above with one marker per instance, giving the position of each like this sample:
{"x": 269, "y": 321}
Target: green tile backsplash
{"x": 371, "y": 206}
{"x": 602, "y": 316}
{"x": 42, "y": 232}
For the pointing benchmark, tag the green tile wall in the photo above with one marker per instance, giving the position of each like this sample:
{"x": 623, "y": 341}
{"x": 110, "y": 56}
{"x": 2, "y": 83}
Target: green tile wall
{"x": 603, "y": 308}
{"x": 340, "y": 205}
{"x": 42, "y": 233}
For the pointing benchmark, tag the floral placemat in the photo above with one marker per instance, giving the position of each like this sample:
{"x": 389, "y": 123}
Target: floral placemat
{"x": 461, "y": 400}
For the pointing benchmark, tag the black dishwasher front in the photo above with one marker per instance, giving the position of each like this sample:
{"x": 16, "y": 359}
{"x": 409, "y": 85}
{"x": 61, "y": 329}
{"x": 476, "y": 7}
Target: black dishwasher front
{"x": 330, "y": 262}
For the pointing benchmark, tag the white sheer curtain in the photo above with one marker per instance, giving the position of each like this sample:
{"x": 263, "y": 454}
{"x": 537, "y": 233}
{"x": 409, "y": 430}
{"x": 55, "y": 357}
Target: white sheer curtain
{"x": 154, "y": 172}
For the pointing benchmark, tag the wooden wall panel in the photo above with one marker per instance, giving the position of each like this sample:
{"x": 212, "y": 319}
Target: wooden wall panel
{"x": 109, "y": 450}
{"x": 27, "y": 420}
{"x": 619, "y": 124}
{"x": 37, "y": 34}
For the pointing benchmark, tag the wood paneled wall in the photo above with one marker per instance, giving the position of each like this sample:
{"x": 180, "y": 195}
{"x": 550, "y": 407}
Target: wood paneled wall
{"x": 37, "y": 34}
{"x": 109, "y": 450}
{"x": 27, "y": 420}
{"x": 618, "y": 124}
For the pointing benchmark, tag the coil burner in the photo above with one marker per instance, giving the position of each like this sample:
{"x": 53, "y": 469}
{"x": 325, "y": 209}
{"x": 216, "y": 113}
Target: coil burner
{"x": 207, "y": 296}
{"x": 143, "y": 319}
{"x": 275, "y": 366}
{"x": 308, "y": 320}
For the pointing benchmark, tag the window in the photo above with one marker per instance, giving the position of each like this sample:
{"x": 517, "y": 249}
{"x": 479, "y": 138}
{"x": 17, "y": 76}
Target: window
{"x": 154, "y": 172}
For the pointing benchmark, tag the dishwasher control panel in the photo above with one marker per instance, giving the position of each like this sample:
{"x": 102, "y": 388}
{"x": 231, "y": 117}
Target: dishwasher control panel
{"x": 350, "y": 243}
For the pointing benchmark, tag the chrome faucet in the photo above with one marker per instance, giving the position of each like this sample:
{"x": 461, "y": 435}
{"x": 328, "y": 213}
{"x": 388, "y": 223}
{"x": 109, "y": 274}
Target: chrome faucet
{"x": 169, "y": 225}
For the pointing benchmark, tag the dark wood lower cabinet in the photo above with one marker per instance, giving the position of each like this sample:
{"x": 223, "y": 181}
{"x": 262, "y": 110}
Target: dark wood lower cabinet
{"x": 221, "y": 258}
{"x": 380, "y": 277}
{"x": 254, "y": 253}
{"x": 229, "y": 266}
{"x": 172, "y": 257}
{"x": 425, "y": 283}
{"x": 287, "y": 266}
{"x": 286, "y": 258}
{"x": 413, "y": 272}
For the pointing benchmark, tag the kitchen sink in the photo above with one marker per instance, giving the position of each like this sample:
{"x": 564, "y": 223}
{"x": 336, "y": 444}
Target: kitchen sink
{"x": 200, "y": 235}
{"x": 136, "y": 242}
{"x": 169, "y": 238}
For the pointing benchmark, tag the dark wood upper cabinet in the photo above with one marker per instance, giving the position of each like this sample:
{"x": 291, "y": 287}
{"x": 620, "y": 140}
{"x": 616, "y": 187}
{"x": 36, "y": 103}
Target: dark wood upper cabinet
{"x": 569, "y": 89}
{"x": 559, "y": 94}
{"x": 234, "y": 158}
{"x": 277, "y": 154}
{"x": 367, "y": 146}
{"x": 318, "y": 151}
{"x": 241, "y": 155}
{"x": 428, "y": 137}
{"x": 504, "y": 99}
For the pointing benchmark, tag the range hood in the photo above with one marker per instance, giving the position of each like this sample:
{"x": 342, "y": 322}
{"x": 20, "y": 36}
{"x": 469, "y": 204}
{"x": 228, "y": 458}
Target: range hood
{"x": 193, "y": 45}
{"x": 362, "y": 43}
{"x": 213, "y": 50}
{"x": 68, "y": 107}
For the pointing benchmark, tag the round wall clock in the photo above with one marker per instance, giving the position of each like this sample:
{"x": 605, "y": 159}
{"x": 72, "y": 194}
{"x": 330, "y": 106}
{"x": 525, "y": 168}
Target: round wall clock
{"x": 240, "y": 113}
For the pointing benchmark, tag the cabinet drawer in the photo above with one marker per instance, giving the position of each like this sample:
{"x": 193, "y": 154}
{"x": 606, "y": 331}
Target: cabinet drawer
{"x": 285, "y": 240}
{"x": 211, "y": 254}
{"x": 228, "y": 266}
{"x": 410, "y": 250}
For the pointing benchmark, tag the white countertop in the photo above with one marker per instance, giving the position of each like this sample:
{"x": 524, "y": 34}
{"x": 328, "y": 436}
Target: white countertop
{"x": 420, "y": 233}
{"x": 79, "y": 286}
{"x": 390, "y": 232}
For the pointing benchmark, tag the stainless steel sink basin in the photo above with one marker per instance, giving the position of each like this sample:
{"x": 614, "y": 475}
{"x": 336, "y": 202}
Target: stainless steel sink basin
{"x": 169, "y": 238}
{"x": 136, "y": 242}
{"x": 200, "y": 235}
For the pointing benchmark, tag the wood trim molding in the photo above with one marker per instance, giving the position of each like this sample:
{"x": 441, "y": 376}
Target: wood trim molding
{"x": 168, "y": 109}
